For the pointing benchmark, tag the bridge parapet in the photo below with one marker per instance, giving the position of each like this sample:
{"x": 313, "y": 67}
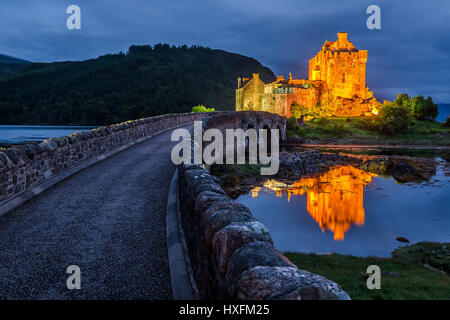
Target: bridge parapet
{"x": 246, "y": 120}
{"x": 25, "y": 166}
{"x": 232, "y": 253}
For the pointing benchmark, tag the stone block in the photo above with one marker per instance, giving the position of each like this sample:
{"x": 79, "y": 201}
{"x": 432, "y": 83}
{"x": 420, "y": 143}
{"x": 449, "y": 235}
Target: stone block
{"x": 233, "y": 236}
{"x": 286, "y": 283}
{"x": 218, "y": 219}
{"x": 207, "y": 198}
{"x": 251, "y": 255}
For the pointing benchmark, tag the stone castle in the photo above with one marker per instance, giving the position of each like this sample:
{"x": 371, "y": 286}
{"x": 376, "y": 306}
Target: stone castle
{"x": 336, "y": 86}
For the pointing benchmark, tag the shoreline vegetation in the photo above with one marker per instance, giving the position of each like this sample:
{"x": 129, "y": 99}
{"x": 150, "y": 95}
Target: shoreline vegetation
{"x": 362, "y": 131}
{"x": 406, "y": 121}
{"x": 420, "y": 271}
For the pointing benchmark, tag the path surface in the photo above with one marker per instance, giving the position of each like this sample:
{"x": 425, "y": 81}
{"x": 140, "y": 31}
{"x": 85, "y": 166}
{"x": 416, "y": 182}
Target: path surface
{"x": 108, "y": 219}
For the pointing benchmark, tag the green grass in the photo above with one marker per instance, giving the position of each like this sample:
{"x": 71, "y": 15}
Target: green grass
{"x": 344, "y": 130}
{"x": 412, "y": 279}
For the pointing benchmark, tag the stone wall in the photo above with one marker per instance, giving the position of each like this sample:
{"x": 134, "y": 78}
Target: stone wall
{"x": 248, "y": 97}
{"x": 24, "y": 166}
{"x": 245, "y": 120}
{"x": 281, "y": 103}
{"x": 232, "y": 253}
{"x": 341, "y": 66}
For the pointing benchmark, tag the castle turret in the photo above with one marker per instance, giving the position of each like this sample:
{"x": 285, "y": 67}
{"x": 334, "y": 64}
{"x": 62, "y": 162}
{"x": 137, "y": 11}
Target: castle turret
{"x": 342, "y": 37}
{"x": 341, "y": 66}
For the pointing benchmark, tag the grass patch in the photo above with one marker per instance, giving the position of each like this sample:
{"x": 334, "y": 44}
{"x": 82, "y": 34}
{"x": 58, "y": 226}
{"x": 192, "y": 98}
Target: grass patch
{"x": 413, "y": 272}
{"x": 344, "y": 130}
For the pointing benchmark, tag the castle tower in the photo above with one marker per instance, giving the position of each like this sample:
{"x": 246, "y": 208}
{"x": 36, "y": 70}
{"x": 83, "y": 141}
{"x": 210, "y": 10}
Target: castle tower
{"x": 341, "y": 66}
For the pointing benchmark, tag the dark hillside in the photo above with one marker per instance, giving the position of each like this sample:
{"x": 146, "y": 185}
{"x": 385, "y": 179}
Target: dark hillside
{"x": 146, "y": 81}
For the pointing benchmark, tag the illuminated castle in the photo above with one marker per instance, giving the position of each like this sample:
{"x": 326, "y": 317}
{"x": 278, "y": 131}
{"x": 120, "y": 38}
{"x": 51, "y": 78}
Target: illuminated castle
{"x": 336, "y": 86}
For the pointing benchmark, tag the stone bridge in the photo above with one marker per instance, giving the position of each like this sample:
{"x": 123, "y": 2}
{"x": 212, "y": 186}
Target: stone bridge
{"x": 107, "y": 200}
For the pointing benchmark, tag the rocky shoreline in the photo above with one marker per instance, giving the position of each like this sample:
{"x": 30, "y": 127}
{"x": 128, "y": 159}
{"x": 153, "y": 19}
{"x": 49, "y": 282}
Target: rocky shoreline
{"x": 237, "y": 180}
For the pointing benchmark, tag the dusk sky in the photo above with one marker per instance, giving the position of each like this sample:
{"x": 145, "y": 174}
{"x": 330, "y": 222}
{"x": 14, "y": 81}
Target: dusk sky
{"x": 411, "y": 52}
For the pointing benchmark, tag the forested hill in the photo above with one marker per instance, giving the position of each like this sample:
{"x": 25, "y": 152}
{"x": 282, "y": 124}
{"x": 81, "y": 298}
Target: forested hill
{"x": 10, "y": 65}
{"x": 145, "y": 81}
{"x": 9, "y": 59}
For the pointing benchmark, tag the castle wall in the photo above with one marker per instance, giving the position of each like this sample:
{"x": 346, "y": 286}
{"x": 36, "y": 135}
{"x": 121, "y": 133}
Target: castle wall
{"x": 342, "y": 67}
{"x": 248, "y": 97}
{"x": 281, "y": 103}
{"x": 336, "y": 85}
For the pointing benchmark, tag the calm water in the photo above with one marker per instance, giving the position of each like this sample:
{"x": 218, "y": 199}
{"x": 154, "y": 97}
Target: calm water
{"x": 349, "y": 211}
{"x": 21, "y": 134}
{"x": 444, "y": 112}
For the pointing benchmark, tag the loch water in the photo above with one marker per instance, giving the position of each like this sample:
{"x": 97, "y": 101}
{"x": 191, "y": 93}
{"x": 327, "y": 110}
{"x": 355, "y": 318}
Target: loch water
{"x": 349, "y": 211}
{"x": 15, "y": 134}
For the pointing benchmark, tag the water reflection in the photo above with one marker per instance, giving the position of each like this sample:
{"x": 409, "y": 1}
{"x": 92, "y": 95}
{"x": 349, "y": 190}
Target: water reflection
{"x": 335, "y": 199}
{"x": 14, "y": 134}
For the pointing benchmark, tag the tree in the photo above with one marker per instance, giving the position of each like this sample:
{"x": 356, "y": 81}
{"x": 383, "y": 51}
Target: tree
{"x": 202, "y": 108}
{"x": 431, "y": 109}
{"x": 423, "y": 109}
{"x": 393, "y": 119}
{"x": 402, "y": 100}
{"x": 420, "y": 108}
{"x": 417, "y": 106}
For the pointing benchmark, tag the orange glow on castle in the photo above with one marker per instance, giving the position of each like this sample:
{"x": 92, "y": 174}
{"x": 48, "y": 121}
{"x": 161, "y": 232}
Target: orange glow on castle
{"x": 334, "y": 199}
{"x": 336, "y": 86}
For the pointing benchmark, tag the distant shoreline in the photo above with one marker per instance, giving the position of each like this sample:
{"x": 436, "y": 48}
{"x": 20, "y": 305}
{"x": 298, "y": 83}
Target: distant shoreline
{"x": 23, "y": 134}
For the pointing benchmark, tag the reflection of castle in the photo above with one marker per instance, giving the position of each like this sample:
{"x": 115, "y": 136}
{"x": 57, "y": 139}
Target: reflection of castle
{"x": 336, "y": 85}
{"x": 334, "y": 199}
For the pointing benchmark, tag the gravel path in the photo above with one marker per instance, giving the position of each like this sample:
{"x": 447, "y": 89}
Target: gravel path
{"x": 108, "y": 219}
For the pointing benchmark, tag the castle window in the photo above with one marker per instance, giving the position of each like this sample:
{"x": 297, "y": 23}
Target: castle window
{"x": 343, "y": 78}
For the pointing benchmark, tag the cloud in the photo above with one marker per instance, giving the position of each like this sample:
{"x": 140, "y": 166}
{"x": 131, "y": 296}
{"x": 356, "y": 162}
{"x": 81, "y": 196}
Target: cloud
{"x": 410, "y": 53}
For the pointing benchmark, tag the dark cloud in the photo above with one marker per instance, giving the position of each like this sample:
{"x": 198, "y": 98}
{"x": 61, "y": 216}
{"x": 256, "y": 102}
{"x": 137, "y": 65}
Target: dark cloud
{"x": 411, "y": 52}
